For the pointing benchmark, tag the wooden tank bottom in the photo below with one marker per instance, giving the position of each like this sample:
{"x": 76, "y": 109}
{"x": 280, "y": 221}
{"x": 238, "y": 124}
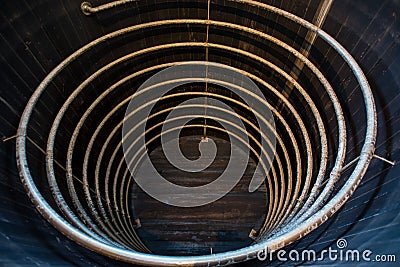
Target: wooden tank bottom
{"x": 222, "y": 226}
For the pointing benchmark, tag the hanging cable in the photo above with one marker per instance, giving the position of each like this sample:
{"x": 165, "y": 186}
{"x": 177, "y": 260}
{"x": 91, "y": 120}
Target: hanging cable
{"x": 206, "y": 75}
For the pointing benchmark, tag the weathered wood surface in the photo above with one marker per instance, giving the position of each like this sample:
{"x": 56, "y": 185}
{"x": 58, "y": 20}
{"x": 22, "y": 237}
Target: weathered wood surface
{"x": 222, "y": 225}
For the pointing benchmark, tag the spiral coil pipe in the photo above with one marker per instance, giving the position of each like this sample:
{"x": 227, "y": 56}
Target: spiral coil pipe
{"x": 302, "y": 187}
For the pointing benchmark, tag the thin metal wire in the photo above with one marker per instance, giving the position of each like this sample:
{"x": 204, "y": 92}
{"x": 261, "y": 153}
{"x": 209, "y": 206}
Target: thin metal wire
{"x": 206, "y": 74}
{"x": 5, "y": 139}
{"x": 58, "y": 163}
{"x": 69, "y": 214}
{"x": 384, "y": 160}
